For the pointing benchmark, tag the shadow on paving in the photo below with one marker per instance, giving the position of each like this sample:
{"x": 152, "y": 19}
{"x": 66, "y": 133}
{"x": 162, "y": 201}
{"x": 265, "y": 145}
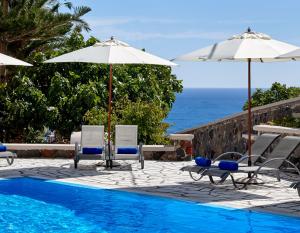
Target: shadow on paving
{"x": 289, "y": 208}
{"x": 207, "y": 194}
{"x": 200, "y": 192}
{"x": 53, "y": 172}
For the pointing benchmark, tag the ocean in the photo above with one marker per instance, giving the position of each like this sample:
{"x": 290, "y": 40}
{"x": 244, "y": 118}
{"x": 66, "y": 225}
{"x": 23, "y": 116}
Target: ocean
{"x": 196, "y": 106}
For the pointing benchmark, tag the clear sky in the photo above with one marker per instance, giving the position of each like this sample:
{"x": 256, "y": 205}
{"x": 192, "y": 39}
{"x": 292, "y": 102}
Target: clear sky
{"x": 169, "y": 28}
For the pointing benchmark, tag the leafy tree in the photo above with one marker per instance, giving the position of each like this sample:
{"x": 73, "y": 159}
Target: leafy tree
{"x": 75, "y": 93}
{"x": 30, "y": 25}
{"x": 276, "y": 93}
{"x": 24, "y": 108}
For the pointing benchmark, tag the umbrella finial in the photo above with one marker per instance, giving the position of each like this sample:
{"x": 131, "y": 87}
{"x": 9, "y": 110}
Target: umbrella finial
{"x": 248, "y": 29}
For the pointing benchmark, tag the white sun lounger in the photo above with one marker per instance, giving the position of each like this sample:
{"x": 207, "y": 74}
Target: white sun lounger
{"x": 92, "y": 136}
{"x": 126, "y": 137}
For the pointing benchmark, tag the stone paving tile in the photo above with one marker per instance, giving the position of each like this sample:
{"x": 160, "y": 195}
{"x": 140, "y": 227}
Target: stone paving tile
{"x": 164, "y": 179}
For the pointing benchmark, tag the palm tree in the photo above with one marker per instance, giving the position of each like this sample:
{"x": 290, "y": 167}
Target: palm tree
{"x": 28, "y": 25}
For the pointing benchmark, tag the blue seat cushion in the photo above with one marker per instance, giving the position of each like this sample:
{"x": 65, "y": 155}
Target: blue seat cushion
{"x": 228, "y": 165}
{"x": 91, "y": 150}
{"x": 203, "y": 162}
{"x": 2, "y": 148}
{"x": 127, "y": 150}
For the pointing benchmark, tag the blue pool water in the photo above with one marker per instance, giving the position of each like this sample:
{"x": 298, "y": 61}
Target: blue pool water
{"x": 32, "y": 205}
{"x": 196, "y": 106}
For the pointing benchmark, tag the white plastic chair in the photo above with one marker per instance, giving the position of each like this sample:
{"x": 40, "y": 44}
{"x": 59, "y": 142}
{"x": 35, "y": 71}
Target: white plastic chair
{"x": 126, "y": 136}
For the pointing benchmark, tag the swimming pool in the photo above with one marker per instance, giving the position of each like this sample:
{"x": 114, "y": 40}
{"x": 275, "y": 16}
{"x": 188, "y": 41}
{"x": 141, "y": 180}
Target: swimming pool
{"x": 34, "y": 205}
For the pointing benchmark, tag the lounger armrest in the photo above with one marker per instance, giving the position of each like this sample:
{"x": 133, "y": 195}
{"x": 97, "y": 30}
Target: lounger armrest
{"x": 278, "y": 159}
{"x": 227, "y": 153}
{"x": 264, "y": 165}
{"x": 246, "y": 157}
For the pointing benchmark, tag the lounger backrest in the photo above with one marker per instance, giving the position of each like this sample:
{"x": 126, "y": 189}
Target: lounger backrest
{"x": 126, "y": 135}
{"x": 261, "y": 144}
{"x": 284, "y": 149}
{"x": 92, "y": 136}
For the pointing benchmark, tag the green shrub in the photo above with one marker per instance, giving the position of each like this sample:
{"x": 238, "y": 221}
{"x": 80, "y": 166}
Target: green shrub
{"x": 288, "y": 121}
{"x": 147, "y": 115}
{"x": 276, "y": 93}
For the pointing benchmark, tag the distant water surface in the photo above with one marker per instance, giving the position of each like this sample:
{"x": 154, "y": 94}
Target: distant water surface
{"x": 196, "y": 106}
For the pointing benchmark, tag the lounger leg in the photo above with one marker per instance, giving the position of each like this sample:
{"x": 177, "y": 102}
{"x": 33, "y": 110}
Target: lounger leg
{"x": 10, "y": 160}
{"x": 141, "y": 157}
{"x": 76, "y": 159}
{"x": 233, "y": 181}
{"x": 222, "y": 180}
{"x": 278, "y": 175}
{"x": 142, "y": 163}
{"x": 196, "y": 179}
{"x": 75, "y": 163}
{"x": 211, "y": 179}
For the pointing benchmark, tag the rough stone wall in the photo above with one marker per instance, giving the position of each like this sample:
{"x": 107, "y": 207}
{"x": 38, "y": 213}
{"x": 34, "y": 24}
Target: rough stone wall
{"x": 226, "y": 134}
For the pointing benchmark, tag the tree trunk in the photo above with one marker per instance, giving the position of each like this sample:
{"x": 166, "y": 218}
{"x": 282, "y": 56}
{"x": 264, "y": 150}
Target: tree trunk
{"x": 4, "y": 4}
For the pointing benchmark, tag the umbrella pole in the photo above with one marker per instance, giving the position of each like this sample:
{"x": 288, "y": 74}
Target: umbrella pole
{"x": 249, "y": 113}
{"x": 109, "y": 109}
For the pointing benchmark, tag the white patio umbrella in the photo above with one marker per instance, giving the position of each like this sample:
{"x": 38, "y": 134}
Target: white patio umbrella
{"x": 10, "y": 61}
{"x": 111, "y": 52}
{"x": 246, "y": 47}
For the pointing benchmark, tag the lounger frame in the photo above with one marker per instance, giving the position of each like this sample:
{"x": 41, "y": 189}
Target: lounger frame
{"x": 9, "y": 156}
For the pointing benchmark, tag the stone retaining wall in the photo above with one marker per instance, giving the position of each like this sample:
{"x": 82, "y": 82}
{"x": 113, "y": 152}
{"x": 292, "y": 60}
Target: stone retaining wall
{"x": 44, "y": 154}
{"x": 226, "y": 134}
{"x": 149, "y": 155}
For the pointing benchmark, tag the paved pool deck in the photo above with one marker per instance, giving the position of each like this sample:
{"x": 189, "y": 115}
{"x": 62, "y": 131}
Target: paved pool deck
{"x": 164, "y": 179}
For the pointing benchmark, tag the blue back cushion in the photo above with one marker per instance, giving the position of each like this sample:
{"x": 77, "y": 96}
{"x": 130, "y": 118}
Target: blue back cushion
{"x": 203, "y": 162}
{"x": 2, "y": 148}
{"x": 91, "y": 150}
{"x": 228, "y": 165}
{"x": 127, "y": 150}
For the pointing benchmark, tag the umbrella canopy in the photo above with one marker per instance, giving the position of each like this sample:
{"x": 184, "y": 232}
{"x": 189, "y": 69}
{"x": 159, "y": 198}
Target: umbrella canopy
{"x": 249, "y": 47}
{"x": 294, "y": 55}
{"x": 111, "y": 52}
{"x": 10, "y": 61}
{"x": 258, "y": 47}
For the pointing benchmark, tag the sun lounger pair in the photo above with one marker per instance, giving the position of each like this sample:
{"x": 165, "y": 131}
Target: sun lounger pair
{"x": 93, "y": 147}
{"x": 226, "y": 168}
{"x": 8, "y": 155}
